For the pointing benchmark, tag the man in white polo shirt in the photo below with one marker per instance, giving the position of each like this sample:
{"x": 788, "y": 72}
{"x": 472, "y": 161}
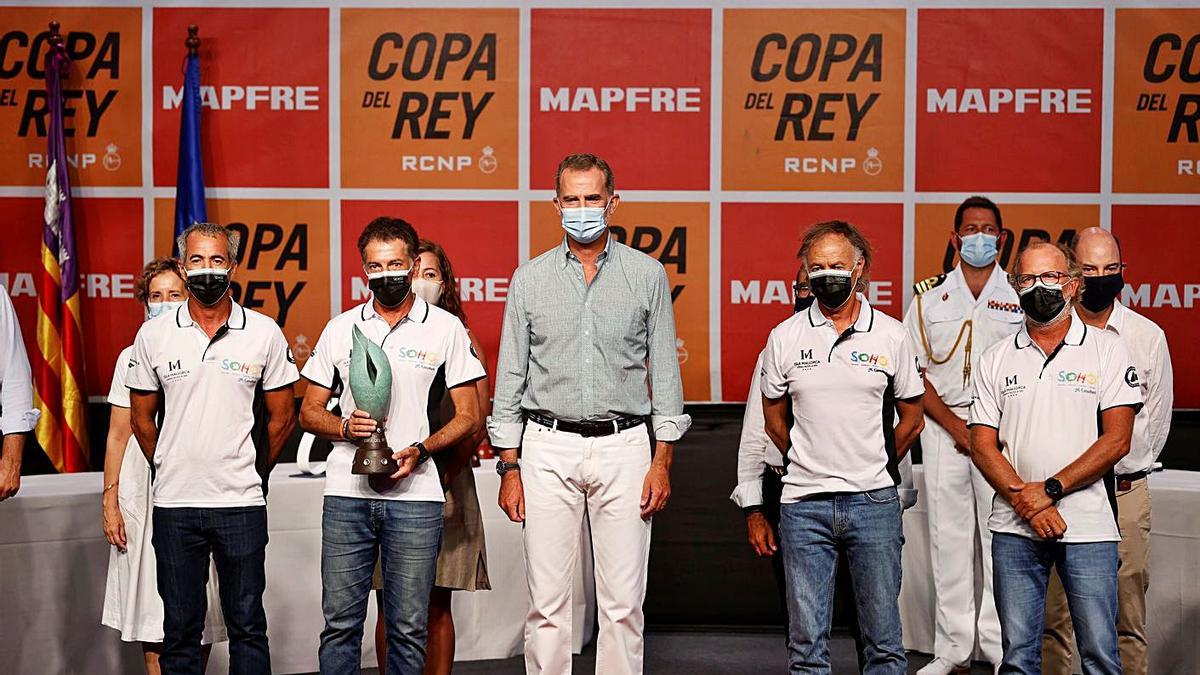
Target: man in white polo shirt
{"x": 1099, "y": 256}
{"x": 844, "y": 370}
{"x": 398, "y": 519}
{"x": 205, "y": 363}
{"x": 1052, "y": 413}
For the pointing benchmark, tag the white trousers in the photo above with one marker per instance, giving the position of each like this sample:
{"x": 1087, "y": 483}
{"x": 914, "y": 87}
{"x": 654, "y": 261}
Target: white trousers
{"x": 960, "y": 502}
{"x": 566, "y": 476}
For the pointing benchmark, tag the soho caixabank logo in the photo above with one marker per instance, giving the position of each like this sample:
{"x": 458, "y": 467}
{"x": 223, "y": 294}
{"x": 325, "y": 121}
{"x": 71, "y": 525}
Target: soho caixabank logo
{"x": 429, "y": 98}
{"x": 101, "y": 94}
{"x": 814, "y": 100}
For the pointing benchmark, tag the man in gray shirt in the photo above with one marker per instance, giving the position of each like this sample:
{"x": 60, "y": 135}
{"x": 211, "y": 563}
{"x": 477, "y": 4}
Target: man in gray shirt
{"x": 588, "y": 351}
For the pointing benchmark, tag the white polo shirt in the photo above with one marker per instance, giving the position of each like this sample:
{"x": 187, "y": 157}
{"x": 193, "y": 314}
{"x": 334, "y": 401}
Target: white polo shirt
{"x": 937, "y": 319}
{"x": 428, "y": 345}
{"x": 1147, "y": 345}
{"x": 1046, "y": 409}
{"x": 205, "y": 457}
{"x": 843, "y": 430}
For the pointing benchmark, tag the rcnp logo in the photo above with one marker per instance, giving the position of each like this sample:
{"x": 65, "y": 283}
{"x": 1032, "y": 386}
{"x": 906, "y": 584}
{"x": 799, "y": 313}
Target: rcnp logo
{"x": 814, "y": 99}
{"x": 1156, "y": 105}
{"x": 435, "y": 91}
{"x": 994, "y": 113}
{"x": 644, "y": 106}
{"x": 267, "y": 107}
{"x": 101, "y": 94}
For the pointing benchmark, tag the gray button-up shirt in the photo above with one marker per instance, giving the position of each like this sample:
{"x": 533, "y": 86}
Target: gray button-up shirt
{"x": 576, "y": 351}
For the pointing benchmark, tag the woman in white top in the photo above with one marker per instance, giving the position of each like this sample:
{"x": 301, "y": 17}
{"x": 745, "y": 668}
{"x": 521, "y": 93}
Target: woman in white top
{"x": 131, "y": 601}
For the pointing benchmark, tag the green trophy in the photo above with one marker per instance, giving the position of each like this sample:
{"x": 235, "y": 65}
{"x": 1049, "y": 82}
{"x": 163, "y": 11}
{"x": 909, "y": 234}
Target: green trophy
{"x": 371, "y": 386}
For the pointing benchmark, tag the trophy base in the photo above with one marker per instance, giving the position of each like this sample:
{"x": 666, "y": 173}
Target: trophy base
{"x": 373, "y": 457}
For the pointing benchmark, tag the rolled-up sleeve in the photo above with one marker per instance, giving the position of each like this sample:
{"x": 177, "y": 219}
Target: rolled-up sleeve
{"x": 507, "y": 421}
{"x": 753, "y": 446}
{"x": 17, "y": 415}
{"x": 666, "y": 385}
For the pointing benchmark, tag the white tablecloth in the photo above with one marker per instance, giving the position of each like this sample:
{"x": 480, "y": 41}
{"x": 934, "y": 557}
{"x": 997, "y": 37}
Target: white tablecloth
{"x": 53, "y": 561}
{"x": 1173, "y": 602}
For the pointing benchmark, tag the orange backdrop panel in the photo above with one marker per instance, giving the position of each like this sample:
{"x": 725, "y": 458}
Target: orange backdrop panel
{"x": 102, "y": 117}
{"x": 814, "y": 100}
{"x": 429, "y": 98}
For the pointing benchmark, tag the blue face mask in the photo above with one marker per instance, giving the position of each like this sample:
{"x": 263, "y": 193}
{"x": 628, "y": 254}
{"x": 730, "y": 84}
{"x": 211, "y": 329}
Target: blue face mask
{"x": 154, "y": 309}
{"x": 586, "y": 223}
{"x": 978, "y": 250}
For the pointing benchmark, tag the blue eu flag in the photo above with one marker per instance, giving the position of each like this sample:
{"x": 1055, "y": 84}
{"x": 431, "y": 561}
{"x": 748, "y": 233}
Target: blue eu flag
{"x": 189, "y": 182}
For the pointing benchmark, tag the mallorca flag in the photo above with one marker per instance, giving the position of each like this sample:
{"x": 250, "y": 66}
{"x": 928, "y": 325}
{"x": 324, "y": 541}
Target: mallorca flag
{"x": 189, "y": 181}
{"x": 58, "y": 370}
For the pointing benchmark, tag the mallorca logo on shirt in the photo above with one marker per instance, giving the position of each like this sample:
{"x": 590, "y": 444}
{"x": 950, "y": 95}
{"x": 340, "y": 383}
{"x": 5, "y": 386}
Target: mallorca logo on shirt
{"x": 1011, "y": 387}
{"x": 806, "y": 361}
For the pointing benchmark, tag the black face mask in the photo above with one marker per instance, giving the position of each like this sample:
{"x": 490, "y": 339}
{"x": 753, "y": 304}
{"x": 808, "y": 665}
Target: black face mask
{"x": 208, "y": 286}
{"x": 803, "y": 303}
{"x": 389, "y": 288}
{"x": 1042, "y": 304}
{"x": 1100, "y": 292}
{"x": 832, "y": 290}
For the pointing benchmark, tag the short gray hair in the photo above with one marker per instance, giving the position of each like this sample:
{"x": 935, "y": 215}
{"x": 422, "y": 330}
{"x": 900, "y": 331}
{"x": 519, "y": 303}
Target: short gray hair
{"x": 232, "y": 238}
{"x": 858, "y": 242}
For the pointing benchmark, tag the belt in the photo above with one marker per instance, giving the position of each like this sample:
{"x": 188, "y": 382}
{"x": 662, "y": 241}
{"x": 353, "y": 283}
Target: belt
{"x": 1125, "y": 481}
{"x": 587, "y": 428}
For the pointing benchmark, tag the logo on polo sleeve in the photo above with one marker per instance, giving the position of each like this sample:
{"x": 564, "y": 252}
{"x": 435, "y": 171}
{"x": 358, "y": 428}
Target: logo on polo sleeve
{"x": 1131, "y": 377}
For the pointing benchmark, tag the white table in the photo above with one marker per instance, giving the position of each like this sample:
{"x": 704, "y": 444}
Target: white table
{"x": 1173, "y": 602}
{"x": 53, "y": 561}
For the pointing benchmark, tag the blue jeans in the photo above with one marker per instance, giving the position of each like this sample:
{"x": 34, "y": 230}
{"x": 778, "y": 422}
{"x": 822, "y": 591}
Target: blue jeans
{"x": 1020, "y": 570}
{"x": 866, "y": 527}
{"x": 236, "y": 538}
{"x": 405, "y": 536}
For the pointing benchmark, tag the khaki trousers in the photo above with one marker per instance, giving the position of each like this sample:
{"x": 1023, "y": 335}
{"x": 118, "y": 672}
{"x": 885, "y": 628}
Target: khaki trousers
{"x": 1133, "y": 519}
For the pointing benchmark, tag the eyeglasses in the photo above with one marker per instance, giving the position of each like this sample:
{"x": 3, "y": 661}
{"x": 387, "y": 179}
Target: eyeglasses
{"x": 1050, "y": 278}
{"x": 1092, "y": 271}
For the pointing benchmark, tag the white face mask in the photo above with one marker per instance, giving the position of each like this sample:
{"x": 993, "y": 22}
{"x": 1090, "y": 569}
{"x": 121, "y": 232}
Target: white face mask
{"x": 428, "y": 290}
{"x": 154, "y": 309}
{"x": 586, "y": 223}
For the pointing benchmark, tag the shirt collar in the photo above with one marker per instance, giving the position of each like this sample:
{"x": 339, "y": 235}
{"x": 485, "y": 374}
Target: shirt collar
{"x": 1116, "y": 319}
{"x": 235, "y": 321}
{"x": 567, "y": 255}
{"x": 863, "y": 324}
{"x": 1075, "y": 334}
{"x": 418, "y": 313}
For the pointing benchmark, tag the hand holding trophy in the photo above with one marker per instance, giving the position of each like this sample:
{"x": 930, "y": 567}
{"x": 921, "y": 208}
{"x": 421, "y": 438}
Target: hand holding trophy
{"x": 371, "y": 387}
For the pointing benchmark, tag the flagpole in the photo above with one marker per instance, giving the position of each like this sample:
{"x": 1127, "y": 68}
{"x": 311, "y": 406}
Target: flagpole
{"x": 190, "y": 206}
{"x": 59, "y": 373}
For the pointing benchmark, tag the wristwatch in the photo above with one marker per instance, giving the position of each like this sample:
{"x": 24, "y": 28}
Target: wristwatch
{"x": 503, "y": 467}
{"x": 1054, "y": 489}
{"x": 422, "y": 453}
